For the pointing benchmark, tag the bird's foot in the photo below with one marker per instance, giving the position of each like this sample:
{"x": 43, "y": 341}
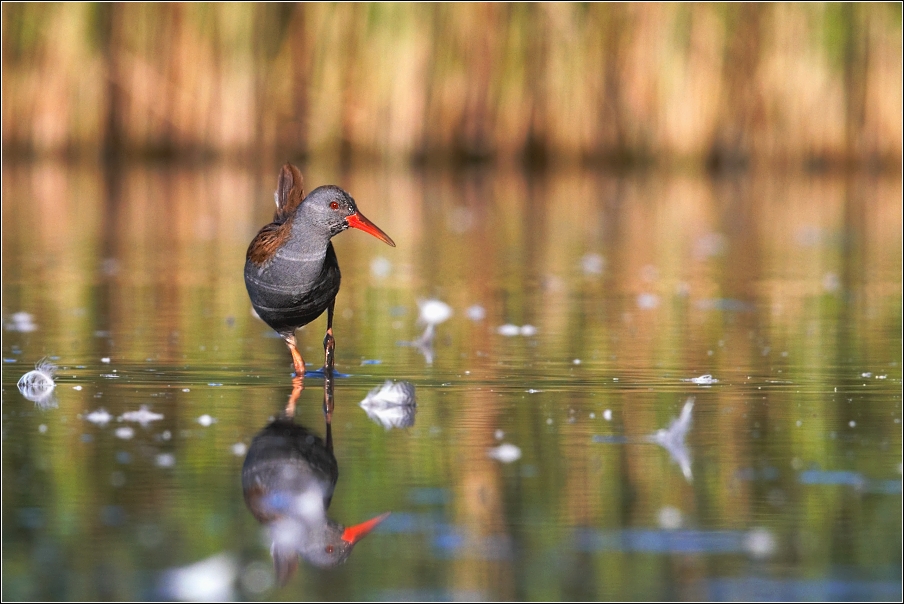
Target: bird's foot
{"x": 322, "y": 372}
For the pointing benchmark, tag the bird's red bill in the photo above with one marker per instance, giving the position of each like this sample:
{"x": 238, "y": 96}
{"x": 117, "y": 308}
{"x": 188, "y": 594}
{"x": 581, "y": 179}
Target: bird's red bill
{"x": 354, "y": 534}
{"x": 360, "y": 222}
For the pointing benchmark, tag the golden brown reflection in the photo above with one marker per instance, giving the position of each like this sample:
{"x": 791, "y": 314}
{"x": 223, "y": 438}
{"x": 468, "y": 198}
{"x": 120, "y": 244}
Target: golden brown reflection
{"x": 783, "y": 286}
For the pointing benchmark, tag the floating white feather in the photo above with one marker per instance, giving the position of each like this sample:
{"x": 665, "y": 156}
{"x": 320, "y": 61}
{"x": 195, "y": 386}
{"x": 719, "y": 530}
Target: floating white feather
{"x": 391, "y": 405}
{"x": 433, "y": 312}
{"x": 37, "y": 385}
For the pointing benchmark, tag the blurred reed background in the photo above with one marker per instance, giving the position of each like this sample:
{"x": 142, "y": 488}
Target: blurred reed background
{"x": 801, "y": 85}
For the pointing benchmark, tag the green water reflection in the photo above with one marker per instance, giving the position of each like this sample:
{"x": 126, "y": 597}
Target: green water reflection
{"x": 786, "y": 289}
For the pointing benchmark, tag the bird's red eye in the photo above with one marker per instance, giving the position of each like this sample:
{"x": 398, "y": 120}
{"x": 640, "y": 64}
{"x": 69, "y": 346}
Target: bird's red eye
{"x": 329, "y": 548}
{"x": 334, "y": 205}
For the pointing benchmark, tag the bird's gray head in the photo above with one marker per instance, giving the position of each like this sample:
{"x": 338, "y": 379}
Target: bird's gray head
{"x": 331, "y": 210}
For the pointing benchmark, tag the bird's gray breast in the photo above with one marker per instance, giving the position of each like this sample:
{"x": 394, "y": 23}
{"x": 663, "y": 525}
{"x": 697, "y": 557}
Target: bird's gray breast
{"x": 294, "y": 287}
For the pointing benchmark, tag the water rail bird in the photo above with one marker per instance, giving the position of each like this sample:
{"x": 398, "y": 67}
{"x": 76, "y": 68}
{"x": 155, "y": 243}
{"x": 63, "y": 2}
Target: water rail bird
{"x": 291, "y": 270}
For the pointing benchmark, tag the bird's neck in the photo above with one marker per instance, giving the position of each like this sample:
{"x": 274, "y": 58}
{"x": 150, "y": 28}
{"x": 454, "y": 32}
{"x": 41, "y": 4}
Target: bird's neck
{"x": 306, "y": 243}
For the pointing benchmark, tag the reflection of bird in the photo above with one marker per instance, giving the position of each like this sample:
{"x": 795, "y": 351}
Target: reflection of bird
{"x": 288, "y": 480}
{"x": 291, "y": 270}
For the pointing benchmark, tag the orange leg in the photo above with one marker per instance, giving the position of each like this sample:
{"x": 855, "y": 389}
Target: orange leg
{"x": 297, "y": 360}
{"x": 297, "y": 387}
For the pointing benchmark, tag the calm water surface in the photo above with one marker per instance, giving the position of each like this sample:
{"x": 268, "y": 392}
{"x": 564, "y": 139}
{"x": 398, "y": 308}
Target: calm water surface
{"x": 580, "y": 458}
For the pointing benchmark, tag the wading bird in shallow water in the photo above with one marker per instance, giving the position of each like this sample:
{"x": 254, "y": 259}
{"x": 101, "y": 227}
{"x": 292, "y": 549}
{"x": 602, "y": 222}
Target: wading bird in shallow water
{"x": 291, "y": 270}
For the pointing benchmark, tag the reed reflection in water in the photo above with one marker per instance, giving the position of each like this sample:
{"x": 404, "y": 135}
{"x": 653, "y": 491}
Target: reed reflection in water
{"x": 786, "y": 289}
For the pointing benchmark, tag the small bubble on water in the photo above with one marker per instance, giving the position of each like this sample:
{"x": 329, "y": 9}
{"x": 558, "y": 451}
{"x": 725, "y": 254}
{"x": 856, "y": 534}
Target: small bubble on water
{"x": 670, "y": 518}
{"x": 22, "y": 322}
{"x": 42, "y": 428}
{"x": 576, "y": 362}
{"x": 506, "y": 453}
{"x": 498, "y": 434}
{"x": 166, "y": 435}
{"x": 205, "y": 420}
{"x": 76, "y": 387}
{"x": 852, "y": 424}
{"x": 508, "y": 330}
{"x": 186, "y": 390}
{"x": 592, "y": 264}
{"x": 476, "y": 312}
{"x": 647, "y": 301}
{"x": 380, "y": 267}
{"x": 124, "y": 432}
{"x": 548, "y": 421}
{"x": 239, "y": 449}
{"x": 760, "y": 543}
{"x": 799, "y": 423}
{"x": 105, "y": 360}
{"x": 165, "y": 460}
{"x": 593, "y": 416}
{"x": 257, "y": 577}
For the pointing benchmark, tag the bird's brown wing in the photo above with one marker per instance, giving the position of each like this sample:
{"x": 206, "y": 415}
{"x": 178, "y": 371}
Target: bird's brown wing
{"x": 289, "y": 195}
{"x": 289, "y": 192}
{"x": 268, "y": 241}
